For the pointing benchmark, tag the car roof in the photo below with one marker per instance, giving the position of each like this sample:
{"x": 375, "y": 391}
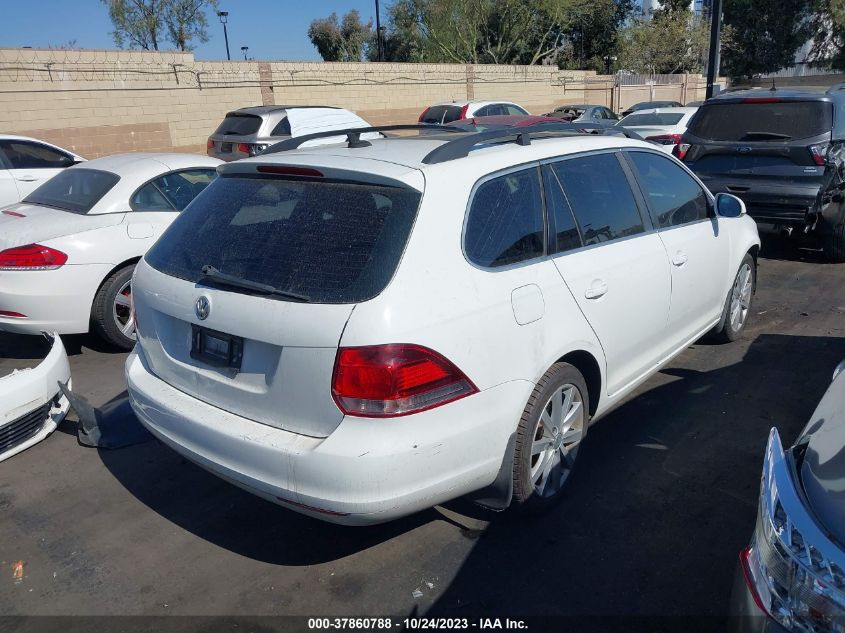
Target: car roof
{"x": 509, "y": 120}
{"x": 679, "y": 109}
{"x": 768, "y": 93}
{"x": 267, "y": 109}
{"x": 141, "y": 166}
{"x": 580, "y": 105}
{"x": 463, "y": 102}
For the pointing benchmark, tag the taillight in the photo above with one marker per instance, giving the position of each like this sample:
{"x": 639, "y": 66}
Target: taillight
{"x": 253, "y": 149}
{"x": 382, "y": 381}
{"x": 665, "y": 139}
{"x": 463, "y": 113}
{"x": 12, "y": 315}
{"x": 14, "y": 214}
{"x": 422, "y": 116}
{"x": 209, "y": 144}
{"x": 681, "y": 150}
{"x": 31, "y": 257}
{"x": 819, "y": 153}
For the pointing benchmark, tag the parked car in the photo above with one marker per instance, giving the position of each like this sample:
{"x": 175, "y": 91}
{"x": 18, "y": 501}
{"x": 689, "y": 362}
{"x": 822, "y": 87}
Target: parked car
{"x": 447, "y": 112}
{"x": 482, "y": 123}
{"x": 358, "y": 334}
{"x": 782, "y": 152}
{"x": 67, "y": 252}
{"x": 584, "y": 112}
{"x": 25, "y": 163}
{"x": 31, "y": 403}
{"x": 649, "y": 105}
{"x": 663, "y": 126}
{"x": 792, "y": 575}
{"x": 249, "y": 131}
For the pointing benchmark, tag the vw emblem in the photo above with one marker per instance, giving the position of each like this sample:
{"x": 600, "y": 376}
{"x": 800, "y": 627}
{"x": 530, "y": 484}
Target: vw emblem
{"x": 202, "y": 308}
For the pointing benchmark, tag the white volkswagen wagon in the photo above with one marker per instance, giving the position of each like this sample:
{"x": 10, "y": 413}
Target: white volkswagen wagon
{"x": 360, "y": 332}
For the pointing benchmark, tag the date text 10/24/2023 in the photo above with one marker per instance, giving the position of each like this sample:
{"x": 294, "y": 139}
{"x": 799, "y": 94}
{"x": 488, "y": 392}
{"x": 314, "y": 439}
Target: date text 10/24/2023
{"x": 416, "y": 624}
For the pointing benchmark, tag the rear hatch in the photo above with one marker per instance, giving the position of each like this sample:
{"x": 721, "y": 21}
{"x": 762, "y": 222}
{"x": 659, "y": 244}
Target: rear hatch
{"x": 764, "y": 150}
{"x": 237, "y": 128}
{"x": 277, "y": 256}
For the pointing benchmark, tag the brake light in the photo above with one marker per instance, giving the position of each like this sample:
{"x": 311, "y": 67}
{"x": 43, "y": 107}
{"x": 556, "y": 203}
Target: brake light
{"x": 463, "y": 113}
{"x": 665, "y": 139}
{"x": 681, "y": 150}
{"x": 31, "y": 257}
{"x": 819, "y": 153}
{"x": 422, "y": 116}
{"x": 15, "y": 214}
{"x": 12, "y": 315}
{"x": 381, "y": 381}
{"x": 748, "y": 575}
{"x": 209, "y": 144}
{"x": 286, "y": 170}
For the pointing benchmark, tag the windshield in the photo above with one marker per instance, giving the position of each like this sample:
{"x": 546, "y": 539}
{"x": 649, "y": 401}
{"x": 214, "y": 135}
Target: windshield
{"x": 329, "y": 241}
{"x": 761, "y": 121}
{"x": 655, "y": 118}
{"x": 239, "y": 125}
{"x": 76, "y": 190}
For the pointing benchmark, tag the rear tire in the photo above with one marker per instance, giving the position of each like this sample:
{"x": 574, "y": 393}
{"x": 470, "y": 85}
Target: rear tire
{"x": 110, "y": 313}
{"x": 834, "y": 244}
{"x": 550, "y": 432}
{"x": 738, "y": 302}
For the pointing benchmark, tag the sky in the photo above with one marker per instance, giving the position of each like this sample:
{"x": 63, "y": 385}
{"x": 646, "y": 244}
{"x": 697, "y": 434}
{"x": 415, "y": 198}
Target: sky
{"x": 273, "y": 29}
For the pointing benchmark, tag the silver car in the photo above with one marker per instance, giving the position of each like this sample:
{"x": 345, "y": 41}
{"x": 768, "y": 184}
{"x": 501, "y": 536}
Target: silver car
{"x": 249, "y": 131}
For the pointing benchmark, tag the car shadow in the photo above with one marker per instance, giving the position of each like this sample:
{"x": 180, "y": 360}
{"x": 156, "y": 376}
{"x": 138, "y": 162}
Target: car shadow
{"x": 36, "y": 347}
{"x": 796, "y": 248}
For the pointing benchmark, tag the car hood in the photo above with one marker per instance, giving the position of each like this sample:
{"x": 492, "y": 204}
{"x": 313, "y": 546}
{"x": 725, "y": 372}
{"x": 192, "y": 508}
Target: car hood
{"x": 31, "y": 223}
{"x": 822, "y": 470}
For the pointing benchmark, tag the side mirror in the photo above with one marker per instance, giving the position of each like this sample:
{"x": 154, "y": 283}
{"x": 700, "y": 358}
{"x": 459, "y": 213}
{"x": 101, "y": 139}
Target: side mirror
{"x": 729, "y": 206}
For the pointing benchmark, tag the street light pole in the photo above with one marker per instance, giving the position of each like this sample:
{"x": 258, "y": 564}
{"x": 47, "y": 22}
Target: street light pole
{"x": 244, "y": 49}
{"x": 715, "y": 44}
{"x": 379, "y": 35}
{"x": 224, "y": 18}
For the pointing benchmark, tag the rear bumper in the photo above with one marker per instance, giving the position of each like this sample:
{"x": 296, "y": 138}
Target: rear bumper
{"x": 746, "y": 616}
{"x": 367, "y": 471}
{"x": 31, "y": 405}
{"x": 52, "y": 300}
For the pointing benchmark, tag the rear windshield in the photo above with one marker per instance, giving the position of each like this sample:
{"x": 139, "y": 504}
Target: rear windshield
{"x": 76, "y": 190}
{"x": 331, "y": 241}
{"x": 441, "y": 114}
{"x": 239, "y": 124}
{"x": 660, "y": 118}
{"x": 779, "y": 121}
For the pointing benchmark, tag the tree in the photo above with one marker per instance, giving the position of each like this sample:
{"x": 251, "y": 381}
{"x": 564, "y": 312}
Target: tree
{"x": 144, "y": 23}
{"x": 592, "y": 40}
{"x": 671, "y": 42}
{"x": 341, "y": 41}
{"x": 828, "y": 24}
{"x": 764, "y": 39}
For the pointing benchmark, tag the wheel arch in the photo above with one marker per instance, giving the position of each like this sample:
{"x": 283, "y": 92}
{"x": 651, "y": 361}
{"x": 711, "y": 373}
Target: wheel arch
{"x": 128, "y": 262}
{"x": 587, "y": 364}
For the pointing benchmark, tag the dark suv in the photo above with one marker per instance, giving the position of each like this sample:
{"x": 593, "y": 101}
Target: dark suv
{"x": 782, "y": 152}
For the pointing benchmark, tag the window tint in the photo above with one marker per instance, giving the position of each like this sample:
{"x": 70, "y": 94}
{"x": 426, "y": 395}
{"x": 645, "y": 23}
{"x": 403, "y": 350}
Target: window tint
{"x": 441, "y": 114}
{"x": 674, "y": 197}
{"x": 76, "y": 190}
{"x": 485, "y": 111}
{"x": 610, "y": 114}
{"x": 505, "y": 223}
{"x": 564, "y": 232}
{"x": 239, "y": 125}
{"x": 496, "y": 109}
{"x": 334, "y": 242}
{"x": 149, "y": 198}
{"x": 24, "y": 155}
{"x": 282, "y": 128}
{"x": 173, "y": 191}
{"x": 600, "y": 196}
{"x": 774, "y": 122}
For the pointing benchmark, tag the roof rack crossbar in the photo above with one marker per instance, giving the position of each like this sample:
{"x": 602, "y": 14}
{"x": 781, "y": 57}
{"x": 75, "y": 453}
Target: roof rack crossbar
{"x": 353, "y": 135}
{"x": 461, "y": 147}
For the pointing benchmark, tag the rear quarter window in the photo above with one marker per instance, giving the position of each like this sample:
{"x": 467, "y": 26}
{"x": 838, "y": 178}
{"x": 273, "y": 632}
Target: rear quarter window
{"x": 755, "y": 122}
{"x": 334, "y": 242}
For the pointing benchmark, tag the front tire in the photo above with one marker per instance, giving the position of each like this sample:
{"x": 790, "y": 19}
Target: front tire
{"x": 550, "y": 432}
{"x": 111, "y": 314}
{"x": 738, "y": 302}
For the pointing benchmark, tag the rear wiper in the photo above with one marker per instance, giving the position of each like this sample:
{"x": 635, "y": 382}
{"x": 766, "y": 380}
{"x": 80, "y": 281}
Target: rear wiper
{"x": 211, "y": 273}
{"x": 785, "y": 137}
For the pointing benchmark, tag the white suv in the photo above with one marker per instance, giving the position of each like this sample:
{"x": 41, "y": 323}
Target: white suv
{"x": 360, "y": 332}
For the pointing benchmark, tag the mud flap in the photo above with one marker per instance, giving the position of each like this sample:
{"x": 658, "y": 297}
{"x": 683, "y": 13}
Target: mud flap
{"x": 497, "y": 496}
{"x": 112, "y": 426}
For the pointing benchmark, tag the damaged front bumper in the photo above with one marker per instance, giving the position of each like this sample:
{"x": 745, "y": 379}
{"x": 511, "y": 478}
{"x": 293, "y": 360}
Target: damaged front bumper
{"x": 31, "y": 403}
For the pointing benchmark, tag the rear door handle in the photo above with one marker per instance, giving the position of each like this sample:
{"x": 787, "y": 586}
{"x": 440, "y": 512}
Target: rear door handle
{"x": 597, "y": 289}
{"x": 680, "y": 258}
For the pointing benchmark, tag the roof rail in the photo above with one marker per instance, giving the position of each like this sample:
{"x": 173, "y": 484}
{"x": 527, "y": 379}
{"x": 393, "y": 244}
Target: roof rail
{"x": 353, "y": 135}
{"x": 461, "y": 147}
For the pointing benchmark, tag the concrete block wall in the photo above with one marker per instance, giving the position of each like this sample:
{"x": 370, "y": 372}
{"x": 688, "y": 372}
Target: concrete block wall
{"x": 102, "y": 102}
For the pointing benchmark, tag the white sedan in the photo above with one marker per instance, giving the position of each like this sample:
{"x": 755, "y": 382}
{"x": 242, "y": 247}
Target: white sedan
{"x": 67, "y": 252}
{"x": 663, "y": 126}
{"x": 25, "y": 163}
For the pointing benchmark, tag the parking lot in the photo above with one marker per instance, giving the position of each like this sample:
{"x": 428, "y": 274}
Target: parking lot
{"x": 662, "y": 500}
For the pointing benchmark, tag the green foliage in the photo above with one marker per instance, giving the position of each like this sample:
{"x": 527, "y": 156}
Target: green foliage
{"x": 146, "y": 23}
{"x": 592, "y": 40}
{"x": 670, "y": 42}
{"x": 828, "y": 24}
{"x": 341, "y": 41}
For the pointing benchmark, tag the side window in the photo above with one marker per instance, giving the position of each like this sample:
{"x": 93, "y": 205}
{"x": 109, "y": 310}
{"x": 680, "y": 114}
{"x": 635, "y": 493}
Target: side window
{"x": 512, "y": 109}
{"x": 505, "y": 223}
{"x": 600, "y": 196}
{"x": 564, "y": 234}
{"x": 496, "y": 109}
{"x": 485, "y": 111}
{"x": 597, "y": 114}
{"x": 282, "y": 128}
{"x": 25, "y": 155}
{"x": 173, "y": 191}
{"x": 149, "y": 198}
{"x": 674, "y": 197}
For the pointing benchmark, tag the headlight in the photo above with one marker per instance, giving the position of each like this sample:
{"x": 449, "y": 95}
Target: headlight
{"x": 797, "y": 574}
